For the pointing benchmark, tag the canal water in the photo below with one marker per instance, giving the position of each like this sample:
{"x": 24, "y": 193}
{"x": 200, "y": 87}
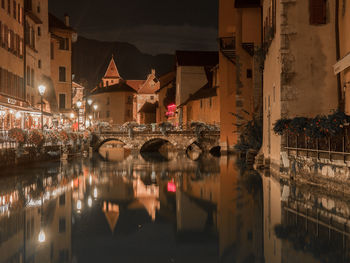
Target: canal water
{"x": 149, "y": 209}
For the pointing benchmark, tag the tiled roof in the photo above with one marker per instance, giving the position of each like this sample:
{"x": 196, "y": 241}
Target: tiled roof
{"x": 120, "y": 87}
{"x": 54, "y": 22}
{"x": 197, "y": 58}
{"x": 166, "y": 79}
{"x": 135, "y": 84}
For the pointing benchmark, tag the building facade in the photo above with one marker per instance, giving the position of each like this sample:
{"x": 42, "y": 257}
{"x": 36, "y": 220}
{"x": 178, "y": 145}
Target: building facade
{"x": 240, "y": 75}
{"x": 166, "y": 97}
{"x": 191, "y": 76}
{"x": 299, "y": 51}
{"x": 62, "y": 36}
{"x": 12, "y": 89}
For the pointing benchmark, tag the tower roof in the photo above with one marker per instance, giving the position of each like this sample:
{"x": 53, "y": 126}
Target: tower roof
{"x": 112, "y": 70}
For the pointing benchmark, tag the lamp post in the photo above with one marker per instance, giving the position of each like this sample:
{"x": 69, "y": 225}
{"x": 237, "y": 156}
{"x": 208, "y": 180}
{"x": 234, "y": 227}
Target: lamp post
{"x": 79, "y": 103}
{"x": 42, "y": 89}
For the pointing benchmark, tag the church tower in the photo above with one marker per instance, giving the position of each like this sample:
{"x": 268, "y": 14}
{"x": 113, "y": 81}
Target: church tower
{"x": 111, "y": 76}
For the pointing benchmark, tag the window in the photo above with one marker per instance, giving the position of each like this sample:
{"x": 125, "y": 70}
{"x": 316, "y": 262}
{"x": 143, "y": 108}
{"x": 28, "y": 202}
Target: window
{"x": 14, "y": 10}
{"x": 62, "y": 101}
{"x": 64, "y": 44}
{"x": 107, "y": 84}
{"x": 62, "y": 200}
{"x": 32, "y": 78}
{"x": 19, "y": 13}
{"x": 39, "y": 63}
{"x": 152, "y": 97}
{"x": 28, "y": 75}
{"x": 52, "y": 50}
{"x": 9, "y": 7}
{"x": 62, "y": 225}
{"x": 129, "y": 100}
{"x": 318, "y": 12}
{"x": 210, "y": 102}
{"x": 201, "y": 103}
{"x": 3, "y": 4}
{"x": 249, "y": 73}
{"x": 107, "y": 114}
{"x": 38, "y": 9}
{"x": 39, "y": 31}
{"x": 108, "y": 101}
{"x": 62, "y": 74}
{"x": 129, "y": 113}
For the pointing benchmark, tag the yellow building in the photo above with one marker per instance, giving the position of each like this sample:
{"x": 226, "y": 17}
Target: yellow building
{"x": 204, "y": 104}
{"x": 240, "y": 75}
{"x": 299, "y": 51}
{"x": 62, "y": 36}
{"x": 191, "y": 76}
{"x": 342, "y": 67}
{"x": 12, "y": 89}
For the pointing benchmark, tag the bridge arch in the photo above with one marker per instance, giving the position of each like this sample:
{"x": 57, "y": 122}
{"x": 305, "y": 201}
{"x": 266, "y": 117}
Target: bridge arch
{"x": 106, "y": 140}
{"x": 155, "y": 144}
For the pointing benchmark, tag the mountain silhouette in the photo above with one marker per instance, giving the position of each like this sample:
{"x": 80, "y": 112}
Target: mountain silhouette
{"x": 90, "y": 60}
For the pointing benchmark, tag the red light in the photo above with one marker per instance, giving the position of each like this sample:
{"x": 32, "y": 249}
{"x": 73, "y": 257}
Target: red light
{"x": 171, "y": 187}
{"x": 171, "y": 107}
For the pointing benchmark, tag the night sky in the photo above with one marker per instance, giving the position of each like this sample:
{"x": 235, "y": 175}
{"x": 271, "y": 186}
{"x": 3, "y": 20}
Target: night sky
{"x": 157, "y": 26}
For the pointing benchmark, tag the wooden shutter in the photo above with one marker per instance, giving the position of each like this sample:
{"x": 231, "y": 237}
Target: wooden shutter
{"x": 318, "y": 12}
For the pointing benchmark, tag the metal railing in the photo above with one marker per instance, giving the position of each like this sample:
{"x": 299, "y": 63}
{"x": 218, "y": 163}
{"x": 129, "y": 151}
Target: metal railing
{"x": 330, "y": 147}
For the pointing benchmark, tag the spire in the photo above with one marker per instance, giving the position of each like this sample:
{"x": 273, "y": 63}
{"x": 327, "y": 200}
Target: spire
{"x": 112, "y": 70}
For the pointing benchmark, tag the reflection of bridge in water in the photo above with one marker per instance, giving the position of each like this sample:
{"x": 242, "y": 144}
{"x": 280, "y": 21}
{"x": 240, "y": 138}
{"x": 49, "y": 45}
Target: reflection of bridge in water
{"x": 179, "y": 140}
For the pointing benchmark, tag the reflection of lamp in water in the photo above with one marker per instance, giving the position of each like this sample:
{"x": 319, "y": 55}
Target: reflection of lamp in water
{"x": 95, "y": 193}
{"x": 90, "y": 201}
{"x": 42, "y": 236}
{"x": 79, "y": 205}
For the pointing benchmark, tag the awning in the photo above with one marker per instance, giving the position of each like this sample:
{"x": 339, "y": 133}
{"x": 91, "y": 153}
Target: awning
{"x": 24, "y": 109}
{"x": 342, "y": 64}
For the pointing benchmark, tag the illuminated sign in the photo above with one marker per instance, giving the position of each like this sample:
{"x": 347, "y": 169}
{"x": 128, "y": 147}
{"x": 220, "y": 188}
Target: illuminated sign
{"x": 171, "y": 110}
{"x": 171, "y": 187}
{"x": 11, "y": 101}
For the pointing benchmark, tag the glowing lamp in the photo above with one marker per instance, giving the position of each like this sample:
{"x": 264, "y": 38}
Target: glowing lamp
{"x": 18, "y": 115}
{"x": 42, "y": 90}
{"x": 89, "y": 101}
{"x": 90, "y": 201}
{"x": 79, "y": 103}
{"x": 95, "y": 106}
{"x": 72, "y": 115}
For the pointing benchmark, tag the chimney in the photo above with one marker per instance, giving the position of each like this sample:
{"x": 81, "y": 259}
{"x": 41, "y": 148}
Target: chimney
{"x": 66, "y": 20}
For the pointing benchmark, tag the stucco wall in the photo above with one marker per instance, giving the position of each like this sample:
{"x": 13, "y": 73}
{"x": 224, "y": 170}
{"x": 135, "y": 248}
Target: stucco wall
{"x": 117, "y": 107}
{"x": 298, "y": 74}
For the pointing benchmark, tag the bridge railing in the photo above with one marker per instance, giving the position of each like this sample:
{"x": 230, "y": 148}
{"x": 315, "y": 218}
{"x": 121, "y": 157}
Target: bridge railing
{"x": 155, "y": 128}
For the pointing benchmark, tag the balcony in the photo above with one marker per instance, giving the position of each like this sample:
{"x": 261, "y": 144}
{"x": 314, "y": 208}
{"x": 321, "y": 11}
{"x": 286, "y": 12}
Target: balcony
{"x": 228, "y": 47}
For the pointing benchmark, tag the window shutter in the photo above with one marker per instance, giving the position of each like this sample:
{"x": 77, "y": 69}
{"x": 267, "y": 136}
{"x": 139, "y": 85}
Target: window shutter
{"x": 318, "y": 9}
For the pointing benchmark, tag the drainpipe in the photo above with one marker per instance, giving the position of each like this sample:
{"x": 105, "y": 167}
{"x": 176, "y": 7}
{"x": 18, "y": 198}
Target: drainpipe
{"x": 341, "y": 100}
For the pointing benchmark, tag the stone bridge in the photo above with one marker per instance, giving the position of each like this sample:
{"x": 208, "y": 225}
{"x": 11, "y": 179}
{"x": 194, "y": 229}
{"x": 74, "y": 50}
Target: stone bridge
{"x": 180, "y": 140}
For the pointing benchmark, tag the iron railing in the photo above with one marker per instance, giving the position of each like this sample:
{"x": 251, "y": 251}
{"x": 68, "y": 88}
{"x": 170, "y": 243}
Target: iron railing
{"x": 329, "y": 147}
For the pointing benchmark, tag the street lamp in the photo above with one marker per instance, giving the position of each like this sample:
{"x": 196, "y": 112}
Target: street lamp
{"x": 42, "y": 89}
{"x": 89, "y": 101}
{"x": 79, "y": 103}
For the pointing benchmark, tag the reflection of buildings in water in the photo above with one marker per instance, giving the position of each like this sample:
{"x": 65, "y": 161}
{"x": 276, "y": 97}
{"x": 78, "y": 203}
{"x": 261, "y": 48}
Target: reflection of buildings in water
{"x": 148, "y": 196}
{"x": 117, "y": 189}
{"x": 311, "y": 225}
{"x": 196, "y": 202}
{"x": 239, "y": 215}
{"x": 111, "y": 212}
{"x": 19, "y": 231}
{"x": 114, "y": 151}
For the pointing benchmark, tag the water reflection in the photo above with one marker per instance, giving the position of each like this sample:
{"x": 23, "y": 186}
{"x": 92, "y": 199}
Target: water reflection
{"x": 181, "y": 210}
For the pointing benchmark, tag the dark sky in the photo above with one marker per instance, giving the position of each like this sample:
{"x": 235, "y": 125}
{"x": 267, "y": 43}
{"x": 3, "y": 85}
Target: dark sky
{"x": 156, "y": 26}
